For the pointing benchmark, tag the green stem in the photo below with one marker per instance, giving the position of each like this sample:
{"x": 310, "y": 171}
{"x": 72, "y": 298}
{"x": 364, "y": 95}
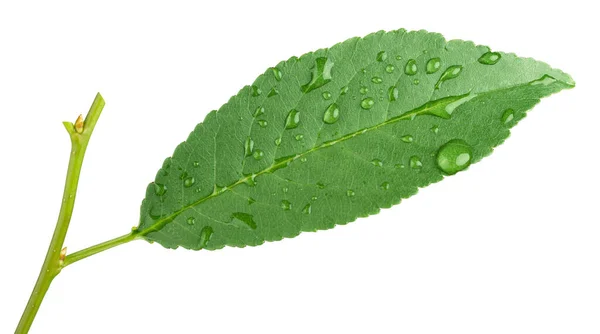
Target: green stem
{"x": 53, "y": 263}
{"x": 82, "y": 254}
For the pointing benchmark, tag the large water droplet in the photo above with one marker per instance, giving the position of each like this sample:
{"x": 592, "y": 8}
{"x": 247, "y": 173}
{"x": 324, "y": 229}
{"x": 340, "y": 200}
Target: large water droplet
{"x": 243, "y": 219}
{"x": 205, "y": 235}
{"x": 450, "y": 73}
{"x": 255, "y": 91}
{"x": 411, "y": 67}
{"x": 190, "y": 181}
{"x": 307, "y": 210}
{"x": 393, "y": 93}
{"x": 382, "y": 56}
{"x": 407, "y": 139}
{"x": 277, "y": 73}
{"x": 433, "y": 65}
{"x": 489, "y": 58}
{"x": 454, "y": 156}
{"x": 160, "y": 189}
{"x": 367, "y": 103}
{"x": 321, "y": 74}
{"x": 286, "y": 205}
{"x": 415, "y": 162}
{"x": 332, "y": 114}
{"x": 507, "y": 116}
{"x": 293, "y": 119}
{"x": 248, "y": 146}
{"x": 258, "y": 154}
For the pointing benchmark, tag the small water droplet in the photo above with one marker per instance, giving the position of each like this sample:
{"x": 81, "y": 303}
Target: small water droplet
{"x": 320, "y": 75}
{"x": 376, "y": 80}
{"x": 248, "y": 146}
{"x": 303, "y": 159}
{"x": 398, "y": 57}
{"x": 250, "y": 180}
{"x": 407, "y": 139}
{"x": 454, "y": 156}
{"x": 507, "y": 116}
{"x": 278, "y": 141}
{"x": 299, "y": 137}
{"x": 398, "y": 166}
{"x": 160, "y": 189}
{"x": 205, "y": 235}
{"x": 332, "y": 114}
{"x": 489, "y": 58}
{"x": 273, "y": 92}
{"x": 415, "y": 162}
{"x": 263, "y": 123}
{"x": 435, "y": 129}
{"x": 390, "y": 68}
{"x": 344, "y": 90}
{"x": 277, "y": 73}
{"x": 243, "y": 219}
{"x": 259, "y": 111}
{"x": 326, "y": 95}
{"x": 382, "y": 56}
{"x": 350, "y": 193}
{"x": 416, "y": 82}
{"x": 196, "y": 163}
{"x": 191, "y": 221}
{"x": 258, "y": 154}
{"x": 367, "y": 103}
{"x": 307, "y": 210}
{"x": 450, "y": 73}
{"x": 286, "y": 205}
{"x": 392, "y": 93}
{"x": 411, "y": 67}
{"x": 377, "y": 163}
{"x": 364, "y": 90}
{"x": 251, "y": 201}
{"x": 183, "y": 176}
{"x": 320, "y": 185}
{"x": 285, "y": 189}
{"x": 364, "y": 70}
{"x": 433, "y": 65}
{"x": 256, "y": 91}
{"x": 189, "y": 182}
{"x": 385, "y": 186}
{"x": 293, "y": 119}
{"x": 314, "y": 198}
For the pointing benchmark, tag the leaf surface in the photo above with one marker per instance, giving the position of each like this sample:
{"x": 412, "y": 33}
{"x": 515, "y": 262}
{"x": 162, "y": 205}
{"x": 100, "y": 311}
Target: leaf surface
{"x": 338, "y": 134}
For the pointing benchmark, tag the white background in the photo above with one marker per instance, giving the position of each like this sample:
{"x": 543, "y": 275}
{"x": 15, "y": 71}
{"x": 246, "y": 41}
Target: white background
{"x": 510, "y": 246}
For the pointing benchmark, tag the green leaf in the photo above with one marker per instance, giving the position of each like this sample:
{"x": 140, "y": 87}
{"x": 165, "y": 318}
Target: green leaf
{"x": 337, "y": 134}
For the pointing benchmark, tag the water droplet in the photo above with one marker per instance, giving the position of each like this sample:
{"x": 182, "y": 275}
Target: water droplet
{"x": 243, "y": 219}
{"x": 489, "y": 58}
{"x": 321, "y": 74}
{"x": 364, "y": 90}
{"x": 251, "y": 201}
{"x": 454, "y": 156}
{"x": 407, "y": 139}
{"x": 258, "y": 154}
{"x": 416, "y": 82}
{"x": 256, "y": 91}
{"x": 183, "y": 176}
{"x": 320, "y": 185}
{"x": 326, "y": 95}
{"x": 250, "y": 179}
{"x": 286, "y": 205}
{"x": 350, "y": 193}
{"x": 303, "y": 159}
{"x": 196, "y": 163}
{"x": 390, "y": 68}
{"x": 248, "y": 146}
{"x": 314, "y": 198}
{"x": 344, "y": 90}
{"x": 205, "y": 235}
{"x": 385, "y": 186}
{"x": 307, "y": 210}
{"x": 415, "y": 162}
{"x": 393, "y": 93}
{"x": 299, "y": 137}
{"x": 259, "y": 111}
{"x": 544, "y": 80}
{"x": 191, "y": 221}
{"x": 433, "y": 65}
{"x": 285, "y": 189}
{"x": 293, "y": 119}
{"x": 398, "y": 57}
{"x": 382, "y": 56}
{"x": 160, "y": 189}
{"x": 435, "y": 129}
{"x": 367, "y": 103}
{"x": 273, "y": 92}
{"x": 376, "y": 80}
{"x": 332, "y": 114}
{"x": 364, "y": 70}
{"x": 263, "y": 123}
{"x": 278, "y": 141}
{"x": 507, "y": 116}
{"x": 450, "y": 73}
{"x": 377, "y": 162}
{"x": 277, "y": 73}
{"x": 398, "y": 166}
{"x": 411, "y": 67}
{"x": 189, "y": 182}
